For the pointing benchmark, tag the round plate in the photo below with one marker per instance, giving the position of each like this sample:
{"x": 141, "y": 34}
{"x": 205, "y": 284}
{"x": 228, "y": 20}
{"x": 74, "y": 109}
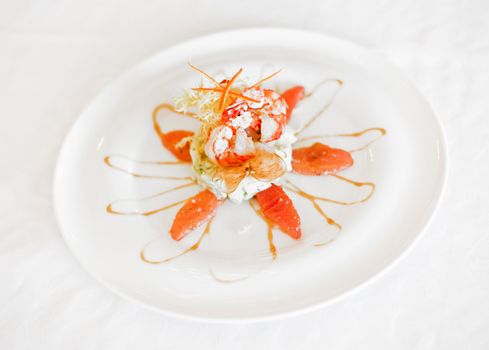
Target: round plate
{"x": 407, "y": 165}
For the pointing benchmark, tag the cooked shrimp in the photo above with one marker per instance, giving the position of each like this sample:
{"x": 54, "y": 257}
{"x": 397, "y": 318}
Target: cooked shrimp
{"x": 227, "y": 146}
{"x": 263, "y": 120}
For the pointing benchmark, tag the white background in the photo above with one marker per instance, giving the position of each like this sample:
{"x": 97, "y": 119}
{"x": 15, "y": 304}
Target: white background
{"x": 56, "y": 55}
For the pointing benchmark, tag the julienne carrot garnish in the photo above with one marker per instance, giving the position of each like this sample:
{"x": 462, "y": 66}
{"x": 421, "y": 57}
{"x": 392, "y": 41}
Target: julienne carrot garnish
{"x": 230, "y": 92}
{"x": 243, "y": 151}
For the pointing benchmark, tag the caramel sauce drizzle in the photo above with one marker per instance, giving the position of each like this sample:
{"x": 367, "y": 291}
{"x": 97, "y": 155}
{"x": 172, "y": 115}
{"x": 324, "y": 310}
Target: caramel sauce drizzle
{"x": 270, "y": 227}
{"x": 195, "y": 246}
{"x": 294, "y": 188}
{"x": 108, "y": 162}
{"x": 382, "y": 132}
{"x": 357, "y": 184}
{"x": 110, "y": 208}
{"x": 313, "y": 199}
{"x": 289, "y": 185}
{"x": 325, "y": 107}
{"x": 321, "y": 83}
{"x": 169, "y": 107}
{"x": 324, "y": 243}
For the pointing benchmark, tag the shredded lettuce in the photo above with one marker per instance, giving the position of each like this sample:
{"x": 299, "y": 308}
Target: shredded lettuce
{"x": 202, "y": 103}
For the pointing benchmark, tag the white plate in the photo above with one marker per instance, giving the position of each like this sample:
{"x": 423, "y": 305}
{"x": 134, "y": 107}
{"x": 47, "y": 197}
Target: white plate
{"x": 408, "y": 166}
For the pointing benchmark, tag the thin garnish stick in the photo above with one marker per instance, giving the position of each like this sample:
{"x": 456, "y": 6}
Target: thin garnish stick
{"x": 228, "y": 87}
{"x": 231, "y": 93}
{"x": 205, "y": 74}
{"x": 259, "y": 82}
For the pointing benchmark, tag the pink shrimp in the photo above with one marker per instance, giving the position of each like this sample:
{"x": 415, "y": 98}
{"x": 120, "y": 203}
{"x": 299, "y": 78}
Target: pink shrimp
{"x": 268, "y": 115}
{"x": 228, "y": 146}
{"x": 244, "y": 122}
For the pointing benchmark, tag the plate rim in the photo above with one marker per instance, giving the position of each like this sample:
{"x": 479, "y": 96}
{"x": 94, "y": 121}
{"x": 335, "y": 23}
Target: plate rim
{"x": 444, "y": 162}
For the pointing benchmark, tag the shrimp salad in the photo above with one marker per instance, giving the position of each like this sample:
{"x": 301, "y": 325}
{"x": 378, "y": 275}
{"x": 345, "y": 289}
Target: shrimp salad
{"x": 242, "y": 151}
{"x": 244, "y": 144}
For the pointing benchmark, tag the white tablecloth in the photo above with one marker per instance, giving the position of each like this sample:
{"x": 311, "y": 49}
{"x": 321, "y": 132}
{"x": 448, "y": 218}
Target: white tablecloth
{"x": 56, "y": 55}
